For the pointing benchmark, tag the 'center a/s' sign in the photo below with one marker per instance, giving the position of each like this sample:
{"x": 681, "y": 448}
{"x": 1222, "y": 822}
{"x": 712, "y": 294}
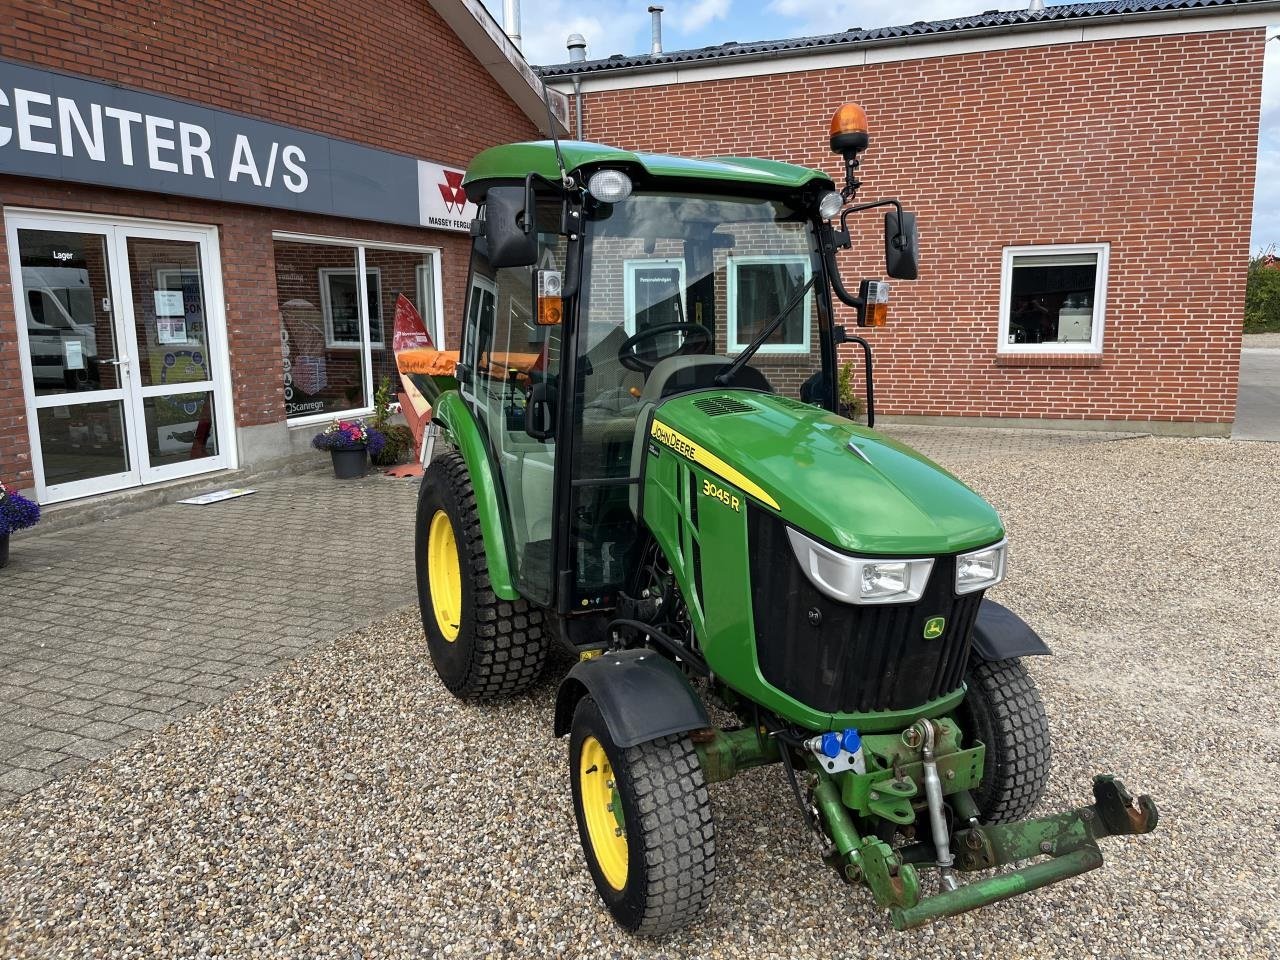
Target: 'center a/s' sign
{"x": 443, "y": 204}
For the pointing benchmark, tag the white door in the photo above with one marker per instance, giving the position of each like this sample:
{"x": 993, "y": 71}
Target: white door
{"x": 124, "y": 356}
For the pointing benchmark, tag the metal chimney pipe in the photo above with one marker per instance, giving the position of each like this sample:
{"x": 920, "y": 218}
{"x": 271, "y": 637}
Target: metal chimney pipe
{"x": 1037, "y": 6}
{"x": 511, "y": 20}
{"x": 656, "y": 13}
{"x": 577, "y": 45}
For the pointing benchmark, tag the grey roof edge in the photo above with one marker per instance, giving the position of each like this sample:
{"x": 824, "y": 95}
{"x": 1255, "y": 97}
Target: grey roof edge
{"x": 985, "y": 24}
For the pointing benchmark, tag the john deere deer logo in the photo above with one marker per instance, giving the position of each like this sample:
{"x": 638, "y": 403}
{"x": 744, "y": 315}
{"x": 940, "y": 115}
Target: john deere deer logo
{"x": 933, "y": 627}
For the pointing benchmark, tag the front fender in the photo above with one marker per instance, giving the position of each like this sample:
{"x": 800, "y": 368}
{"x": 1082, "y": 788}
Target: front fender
{"x": 452, "y": 413}
{"x": 641, "y": 696}
{"x": 1000, "y": 634}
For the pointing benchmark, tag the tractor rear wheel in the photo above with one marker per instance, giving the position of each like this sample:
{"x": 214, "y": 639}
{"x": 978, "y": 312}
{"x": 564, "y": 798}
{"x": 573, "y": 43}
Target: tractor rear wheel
{"x": 644, "y": 818}
{"x": 1003, "y": 710}
{"x": 482, "y": 647}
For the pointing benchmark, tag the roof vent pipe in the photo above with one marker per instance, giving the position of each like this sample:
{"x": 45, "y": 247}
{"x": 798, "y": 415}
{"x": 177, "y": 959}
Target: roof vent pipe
{"x": 577, "y": 45}
{"x": 1037, "y": 6}
{"x": 511, "y": 20}
{"x": 656, "y": 13}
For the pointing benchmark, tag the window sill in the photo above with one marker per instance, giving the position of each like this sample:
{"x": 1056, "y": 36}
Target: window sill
{"x": 1048, "y": 359}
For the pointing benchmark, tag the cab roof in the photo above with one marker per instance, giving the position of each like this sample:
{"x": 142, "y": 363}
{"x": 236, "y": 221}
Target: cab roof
{"x": 516, "y": 160}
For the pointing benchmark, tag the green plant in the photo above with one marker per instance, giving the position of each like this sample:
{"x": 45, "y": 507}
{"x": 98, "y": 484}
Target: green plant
{"x": 382, "y": 399}
{"x": 1262, "y": 296}
{"x": 849, "y": 400}
{"x": 399, "y": 445}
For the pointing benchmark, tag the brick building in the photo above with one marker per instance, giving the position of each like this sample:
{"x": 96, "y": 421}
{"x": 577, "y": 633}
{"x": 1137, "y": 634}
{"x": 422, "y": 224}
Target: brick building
{"x": 1083, "y": 178}
{"x": 190, "y": 192}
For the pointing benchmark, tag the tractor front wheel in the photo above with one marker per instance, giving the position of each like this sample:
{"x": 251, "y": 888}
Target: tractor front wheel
{"x": 1003, "y": 710}
{"x": 644, "y": 818}
{"x": 482, "y": 647}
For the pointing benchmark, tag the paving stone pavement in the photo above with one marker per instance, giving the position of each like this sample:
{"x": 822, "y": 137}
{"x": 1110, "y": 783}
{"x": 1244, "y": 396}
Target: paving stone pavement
{"x": 115, "y": 628}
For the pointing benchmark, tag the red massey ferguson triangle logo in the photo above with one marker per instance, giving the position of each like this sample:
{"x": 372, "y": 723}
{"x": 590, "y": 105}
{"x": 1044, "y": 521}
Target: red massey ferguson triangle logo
{"x": 455, "y": 198}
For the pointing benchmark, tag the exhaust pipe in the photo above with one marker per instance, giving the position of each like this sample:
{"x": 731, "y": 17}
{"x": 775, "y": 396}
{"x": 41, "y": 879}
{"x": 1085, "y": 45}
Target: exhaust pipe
{"x": 655, "y": 12}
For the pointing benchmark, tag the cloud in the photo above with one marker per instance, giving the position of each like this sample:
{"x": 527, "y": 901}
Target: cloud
{"x": 610, "y": 26}
{"x": 699, "y": 14}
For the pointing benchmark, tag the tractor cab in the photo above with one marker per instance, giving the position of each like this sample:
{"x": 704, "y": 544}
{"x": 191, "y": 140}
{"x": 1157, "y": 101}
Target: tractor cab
{"x": 587, "y": 308}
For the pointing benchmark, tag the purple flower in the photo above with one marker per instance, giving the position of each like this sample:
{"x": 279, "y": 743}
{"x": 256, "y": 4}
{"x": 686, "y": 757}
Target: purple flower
{"x": 16, "y": 512}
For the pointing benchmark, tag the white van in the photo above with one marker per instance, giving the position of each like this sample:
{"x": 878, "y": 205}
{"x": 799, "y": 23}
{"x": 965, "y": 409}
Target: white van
{"x": 60, "y": 327}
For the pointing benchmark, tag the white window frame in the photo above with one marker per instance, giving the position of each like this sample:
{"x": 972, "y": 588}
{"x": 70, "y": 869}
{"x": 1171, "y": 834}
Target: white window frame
{"x": 359, "y": 246}
{"x": 331, "y": 342}
{"x": 1102, "y": 251}
{"x": 630, "y": 269}
{"x": 806, "y": 306}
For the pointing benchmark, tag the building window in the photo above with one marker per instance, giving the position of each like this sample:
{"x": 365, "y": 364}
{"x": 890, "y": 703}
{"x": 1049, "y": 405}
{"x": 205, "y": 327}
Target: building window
{"x": 1053, "y": 298}
{"x": 759, "y": 287}
{"x": 335, "y": 334}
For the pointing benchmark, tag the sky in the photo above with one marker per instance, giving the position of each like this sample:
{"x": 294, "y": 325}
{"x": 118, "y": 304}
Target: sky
{"x": 622, "y": 26}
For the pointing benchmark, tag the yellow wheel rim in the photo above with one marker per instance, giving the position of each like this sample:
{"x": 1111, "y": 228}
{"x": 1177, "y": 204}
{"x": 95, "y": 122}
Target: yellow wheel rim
{"x": 602, "y": 809}
{"x": 444, "y": 575}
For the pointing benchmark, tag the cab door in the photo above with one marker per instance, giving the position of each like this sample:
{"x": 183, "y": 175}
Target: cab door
{"x": 507, "y": 352}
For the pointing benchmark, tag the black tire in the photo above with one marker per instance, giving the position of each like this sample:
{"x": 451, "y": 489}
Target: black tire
{"x": 1003, "y": 709}
{"x": 500, "y": 646}
{"x": 669, "y": 832}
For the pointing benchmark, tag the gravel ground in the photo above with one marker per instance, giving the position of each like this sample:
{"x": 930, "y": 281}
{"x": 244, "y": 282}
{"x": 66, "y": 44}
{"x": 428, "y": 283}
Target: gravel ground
{"x": 347, "y": 807}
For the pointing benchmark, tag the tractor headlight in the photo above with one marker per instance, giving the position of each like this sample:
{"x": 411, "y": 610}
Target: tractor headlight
{"x": 981, "y": 569}
{"x": 830, "y": 205}
{"x": 860, "y": 579}
{"x": 609, "y": 186}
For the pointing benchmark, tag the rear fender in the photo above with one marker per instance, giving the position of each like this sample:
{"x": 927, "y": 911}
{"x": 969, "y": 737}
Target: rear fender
{"x": 1000, "y": 634}
{"x": 641, "y": 696}
{"x": 455, "y": 417}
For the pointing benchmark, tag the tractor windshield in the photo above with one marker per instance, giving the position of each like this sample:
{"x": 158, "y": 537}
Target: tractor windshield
{"x": 675, "y": 285}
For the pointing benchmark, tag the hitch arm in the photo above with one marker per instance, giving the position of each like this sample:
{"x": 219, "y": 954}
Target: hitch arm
{"x": 1069, "y": 838}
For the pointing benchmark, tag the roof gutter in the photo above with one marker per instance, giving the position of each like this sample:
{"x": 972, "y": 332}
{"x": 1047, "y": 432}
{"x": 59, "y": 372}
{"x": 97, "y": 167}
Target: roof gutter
{"x": 496, "y": 52}
{"x": 672, "y": 60}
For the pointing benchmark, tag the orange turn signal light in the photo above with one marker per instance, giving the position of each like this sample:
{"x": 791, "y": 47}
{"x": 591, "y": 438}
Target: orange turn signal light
{"x": 550, "y": 311}
{"x": 850, "y": 132}
{"x": 875, "y": 303}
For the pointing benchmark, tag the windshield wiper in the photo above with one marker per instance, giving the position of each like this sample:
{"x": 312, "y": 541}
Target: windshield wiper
{"x": 723, "y": 378}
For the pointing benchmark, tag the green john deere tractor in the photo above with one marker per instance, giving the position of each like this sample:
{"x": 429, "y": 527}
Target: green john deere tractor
{"x": 647, "y": 459}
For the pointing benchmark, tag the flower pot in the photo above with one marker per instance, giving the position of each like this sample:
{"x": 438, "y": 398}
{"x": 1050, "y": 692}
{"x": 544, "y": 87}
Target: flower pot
{"x": 350, "y": 464}
{"x": 4, "y": 550}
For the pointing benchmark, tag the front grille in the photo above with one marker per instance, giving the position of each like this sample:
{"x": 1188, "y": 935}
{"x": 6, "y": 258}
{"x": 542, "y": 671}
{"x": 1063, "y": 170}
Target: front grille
{"x": 843, "y": 658}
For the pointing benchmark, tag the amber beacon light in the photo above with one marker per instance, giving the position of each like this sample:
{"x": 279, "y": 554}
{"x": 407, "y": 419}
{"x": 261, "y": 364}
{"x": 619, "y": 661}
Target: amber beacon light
{"x": 850, "y": 134}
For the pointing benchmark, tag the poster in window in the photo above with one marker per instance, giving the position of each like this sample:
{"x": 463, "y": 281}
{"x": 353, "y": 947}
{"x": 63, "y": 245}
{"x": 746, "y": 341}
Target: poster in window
{"x": 341, "y": 303}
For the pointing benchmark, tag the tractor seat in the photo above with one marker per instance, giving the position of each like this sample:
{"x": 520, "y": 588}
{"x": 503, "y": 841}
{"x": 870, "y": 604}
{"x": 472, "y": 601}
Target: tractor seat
{"x": 697, "y": 372}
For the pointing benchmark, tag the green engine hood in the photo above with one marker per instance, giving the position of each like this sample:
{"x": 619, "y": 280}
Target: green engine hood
{"x": 888, "y": 499}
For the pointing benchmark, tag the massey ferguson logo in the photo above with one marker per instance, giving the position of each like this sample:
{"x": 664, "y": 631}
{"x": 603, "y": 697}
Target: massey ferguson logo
{"x": 455, "y": 198}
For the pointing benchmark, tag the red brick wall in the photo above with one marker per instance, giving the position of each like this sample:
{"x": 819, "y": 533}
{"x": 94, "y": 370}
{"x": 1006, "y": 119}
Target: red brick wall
{"x": 393, "y": 77}
{"x": 1148, "y": 144}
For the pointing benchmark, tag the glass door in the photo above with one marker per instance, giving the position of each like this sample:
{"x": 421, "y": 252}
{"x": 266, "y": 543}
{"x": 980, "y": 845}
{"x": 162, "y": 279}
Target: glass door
{"x": 175, "y": 408}
{"x": 75, "y": 351}
{"x": 124, "y": 357}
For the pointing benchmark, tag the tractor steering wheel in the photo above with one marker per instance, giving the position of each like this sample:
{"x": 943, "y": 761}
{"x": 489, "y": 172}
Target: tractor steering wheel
{"x": 697, "y": 339}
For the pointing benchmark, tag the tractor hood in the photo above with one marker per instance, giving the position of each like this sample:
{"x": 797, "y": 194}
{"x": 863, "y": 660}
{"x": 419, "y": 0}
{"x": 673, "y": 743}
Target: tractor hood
{"x": 836, "y": 481}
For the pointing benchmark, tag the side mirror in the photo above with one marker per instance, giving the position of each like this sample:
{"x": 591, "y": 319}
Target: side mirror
{"x": 901, "y": 257}
{"x": 508, "y": 233}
